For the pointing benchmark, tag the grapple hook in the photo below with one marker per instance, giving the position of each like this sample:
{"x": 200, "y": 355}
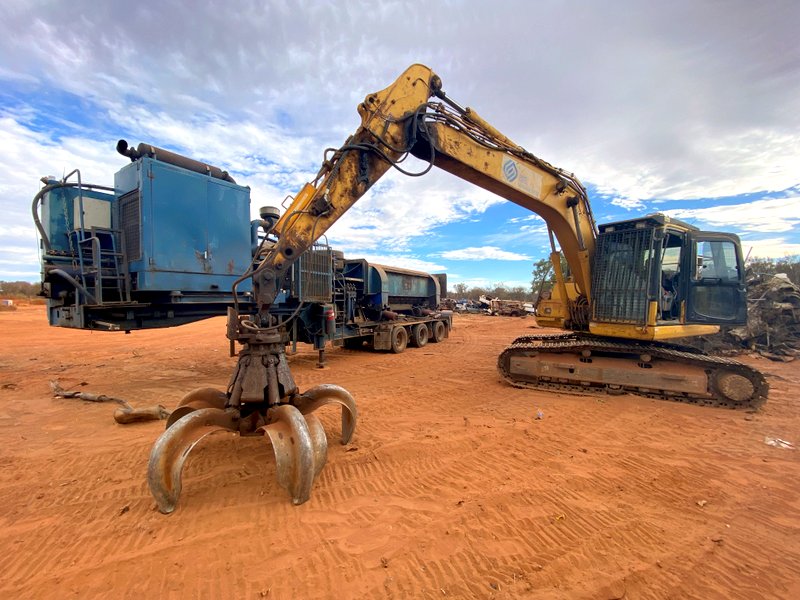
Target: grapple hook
{"x": 327, "y": 393}
{"x": 297, "y": 437}
{"x": 171, "y": 450}
{"x": 301, "y": 450}
{"x": 197, "y": 399}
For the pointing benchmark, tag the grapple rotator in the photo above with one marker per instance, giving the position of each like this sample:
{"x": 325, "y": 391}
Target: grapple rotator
{"x": 262, "y": 399}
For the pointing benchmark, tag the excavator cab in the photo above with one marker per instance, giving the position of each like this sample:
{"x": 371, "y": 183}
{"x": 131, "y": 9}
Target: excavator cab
{"x": 702, "y": 277}
{"x": 657, "y": 277}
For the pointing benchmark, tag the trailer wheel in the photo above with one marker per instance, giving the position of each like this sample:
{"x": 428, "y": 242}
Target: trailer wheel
{"x": 439, "y": 331}
{"x": 419, "y": 335}
{"x": 399, "y": 339}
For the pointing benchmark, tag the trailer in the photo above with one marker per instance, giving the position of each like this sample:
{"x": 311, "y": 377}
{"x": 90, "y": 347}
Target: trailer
{"x": 355, "y": 304}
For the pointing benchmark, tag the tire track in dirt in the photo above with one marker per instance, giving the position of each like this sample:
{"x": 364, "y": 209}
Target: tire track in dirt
{"x": 399, "y": 521}
{"x": 722, "y": 565}
{"x": 453, "y": 486}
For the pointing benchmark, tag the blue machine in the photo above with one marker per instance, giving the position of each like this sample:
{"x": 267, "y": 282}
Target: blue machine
{"x": 182, "y": 230}
{"x": 165, "y": 245}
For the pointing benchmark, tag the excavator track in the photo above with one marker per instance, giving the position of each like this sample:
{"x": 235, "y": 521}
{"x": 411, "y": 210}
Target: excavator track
{"x": 587, "y": 364}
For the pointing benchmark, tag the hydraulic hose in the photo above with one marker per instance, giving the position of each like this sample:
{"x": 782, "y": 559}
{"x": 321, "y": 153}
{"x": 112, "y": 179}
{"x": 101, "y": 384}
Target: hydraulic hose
{"x": 74, "y": 282}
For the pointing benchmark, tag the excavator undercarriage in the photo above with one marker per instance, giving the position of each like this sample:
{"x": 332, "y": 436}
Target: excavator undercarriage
{"x": 588, "y": 364}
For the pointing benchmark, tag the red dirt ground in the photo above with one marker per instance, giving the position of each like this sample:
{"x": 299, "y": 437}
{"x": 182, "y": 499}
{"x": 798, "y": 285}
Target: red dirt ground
{"x": 451, "y": 487}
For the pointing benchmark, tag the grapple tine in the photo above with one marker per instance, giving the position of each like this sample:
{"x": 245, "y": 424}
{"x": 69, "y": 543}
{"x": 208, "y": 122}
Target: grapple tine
{"x": 173, "y": 447}
{"x": 319, "y": 395}
{"x": 293, "y": 444}
{"x": 319, "y": 442}
{"x": 197, "y": 399}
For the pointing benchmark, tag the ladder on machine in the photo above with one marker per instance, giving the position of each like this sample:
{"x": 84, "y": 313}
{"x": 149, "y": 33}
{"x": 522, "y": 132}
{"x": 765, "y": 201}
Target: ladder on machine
{"x": 102, "y": 264}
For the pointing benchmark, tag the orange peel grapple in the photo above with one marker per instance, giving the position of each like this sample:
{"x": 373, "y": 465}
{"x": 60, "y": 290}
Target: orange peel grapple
{"x": 262, "y": 399}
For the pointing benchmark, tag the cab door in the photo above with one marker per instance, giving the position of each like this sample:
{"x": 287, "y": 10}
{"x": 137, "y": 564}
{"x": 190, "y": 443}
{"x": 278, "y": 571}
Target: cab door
{"x": 717, "y": 292}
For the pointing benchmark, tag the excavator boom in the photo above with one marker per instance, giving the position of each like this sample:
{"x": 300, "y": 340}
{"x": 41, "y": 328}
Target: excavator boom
{"x": 414, "y": 116}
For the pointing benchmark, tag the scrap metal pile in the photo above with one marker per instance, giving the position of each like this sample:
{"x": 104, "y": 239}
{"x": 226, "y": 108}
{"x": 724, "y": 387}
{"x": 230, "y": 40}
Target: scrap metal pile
{"x": 773, "y": 328}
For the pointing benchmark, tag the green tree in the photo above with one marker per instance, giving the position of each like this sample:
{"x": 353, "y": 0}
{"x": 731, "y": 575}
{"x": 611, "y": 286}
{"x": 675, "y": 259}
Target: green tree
{"x": 518, "y": 293}
{"x": 543, "y": 275}
{"x": 498, "y": 290}
{"x": 789, "y": 265}
{"x": 461, "y": 290}
{"x": 477, "y": 292}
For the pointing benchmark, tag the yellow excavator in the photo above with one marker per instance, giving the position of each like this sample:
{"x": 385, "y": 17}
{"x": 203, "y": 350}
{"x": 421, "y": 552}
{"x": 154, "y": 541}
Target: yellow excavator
{"x": 631, "y": 285}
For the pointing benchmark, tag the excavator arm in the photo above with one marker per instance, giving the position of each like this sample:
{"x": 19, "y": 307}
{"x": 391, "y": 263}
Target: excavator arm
{"x": 414, "y": 116}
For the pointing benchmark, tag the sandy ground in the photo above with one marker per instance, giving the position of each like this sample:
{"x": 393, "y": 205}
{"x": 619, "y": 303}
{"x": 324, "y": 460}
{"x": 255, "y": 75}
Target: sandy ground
{"x": 451, "y": 487}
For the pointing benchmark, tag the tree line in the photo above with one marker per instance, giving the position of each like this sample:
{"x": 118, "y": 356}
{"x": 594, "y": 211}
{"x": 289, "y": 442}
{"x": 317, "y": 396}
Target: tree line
{"x": 789, "y": 265}
{"x": 543, "y": 279}
{"x": 18, "y": 289}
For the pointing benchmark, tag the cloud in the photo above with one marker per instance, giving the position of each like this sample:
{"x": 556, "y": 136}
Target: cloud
{"x": 483, "y": 253}
{"x": 680, "y": 100}
{"x": 770, "y": 248}
{"x": 9, "y": 231}
{"x": 401, "y": 211}
{"x": 774, "y": 215}
{"x": 628, "y": 203}
{"x": 530, "y": 234}
{"x": 531, "y": 217}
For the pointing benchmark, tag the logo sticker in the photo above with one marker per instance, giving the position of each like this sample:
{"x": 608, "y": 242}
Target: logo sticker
{"x": 510, "y": 170}
{"x": 522, "y": 177}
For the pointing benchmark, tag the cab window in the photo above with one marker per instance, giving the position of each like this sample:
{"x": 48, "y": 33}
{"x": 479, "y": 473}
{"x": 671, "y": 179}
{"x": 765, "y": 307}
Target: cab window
{"x": 716, "y": 260}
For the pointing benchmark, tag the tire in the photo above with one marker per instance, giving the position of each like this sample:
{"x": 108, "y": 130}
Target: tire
{"x": 399, "y": 339}
{"x": 439, "y": 332}
{"x": 419, "y": 335}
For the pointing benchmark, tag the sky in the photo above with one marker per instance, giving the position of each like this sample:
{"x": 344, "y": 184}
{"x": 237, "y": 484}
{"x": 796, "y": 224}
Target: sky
{"x": 691, "y": 108}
